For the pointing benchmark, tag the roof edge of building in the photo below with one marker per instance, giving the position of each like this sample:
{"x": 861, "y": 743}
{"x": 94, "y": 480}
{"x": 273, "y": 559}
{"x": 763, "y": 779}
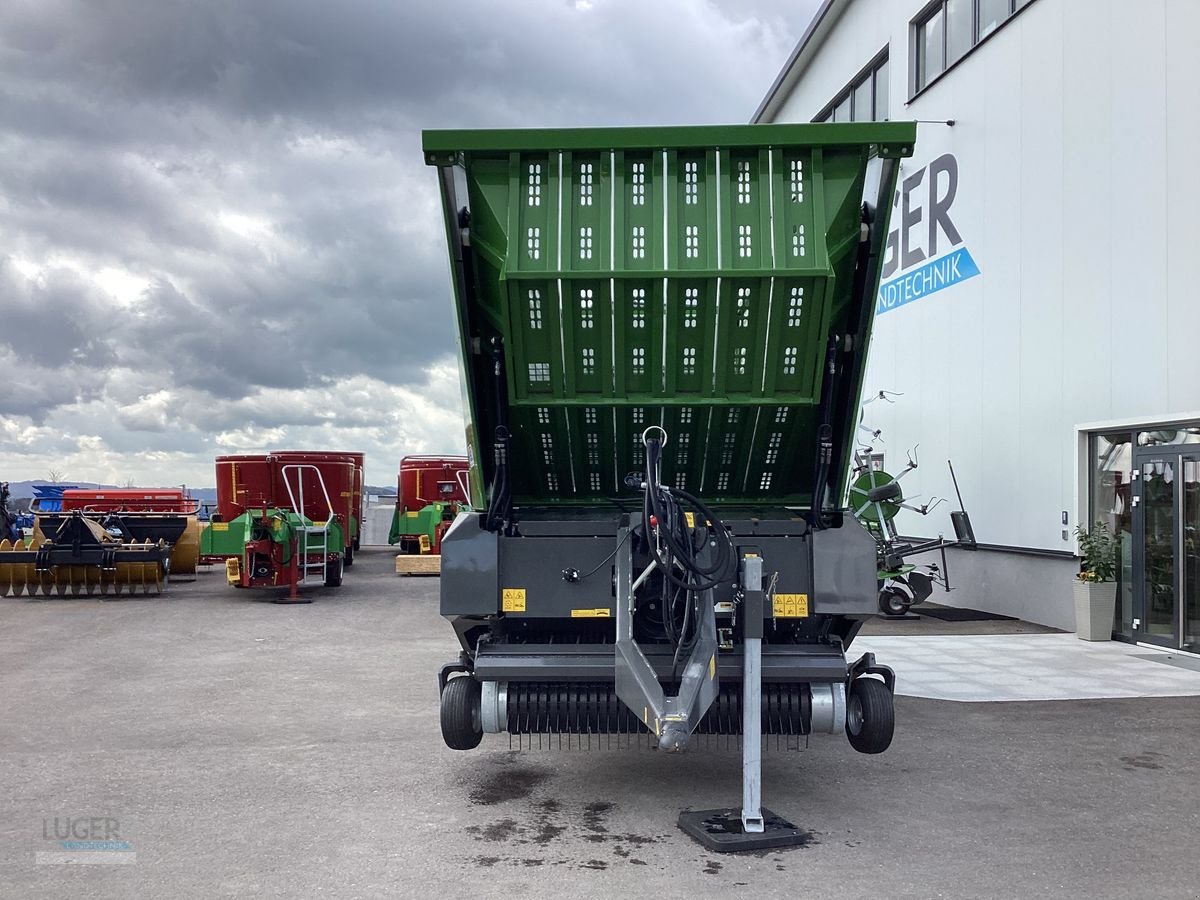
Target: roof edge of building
{"x": 823, "y": 20}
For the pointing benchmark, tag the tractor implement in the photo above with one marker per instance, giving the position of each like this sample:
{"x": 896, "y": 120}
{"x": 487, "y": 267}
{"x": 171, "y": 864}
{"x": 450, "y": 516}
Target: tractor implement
{"x": 663, "y": 334}
{"x": 277, "y": 546}
{"x": 79, "y": 556}
{"x": 137, "y": 515}
{"x": 430, "y": 493}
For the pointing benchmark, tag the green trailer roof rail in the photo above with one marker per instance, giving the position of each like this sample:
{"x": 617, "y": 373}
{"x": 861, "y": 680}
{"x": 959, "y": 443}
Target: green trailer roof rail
{"x": 717, "y": 281}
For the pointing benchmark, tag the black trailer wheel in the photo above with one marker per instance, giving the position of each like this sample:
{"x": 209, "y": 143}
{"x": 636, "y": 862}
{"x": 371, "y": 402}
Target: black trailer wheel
{"x": 893, "y": 602}
{"x": 461, "y": 725}
{"x": 333, "y": 573}
{"x": 870, "y": 716}
{"x": 349, "y": 557}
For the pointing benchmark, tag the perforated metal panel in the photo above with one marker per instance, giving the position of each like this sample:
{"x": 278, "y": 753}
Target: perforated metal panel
{"x": 688, "y": 278}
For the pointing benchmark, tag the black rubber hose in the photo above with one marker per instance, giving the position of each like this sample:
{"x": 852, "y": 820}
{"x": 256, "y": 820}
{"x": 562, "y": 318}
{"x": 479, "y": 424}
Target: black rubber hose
{"x": 677, "y": 549}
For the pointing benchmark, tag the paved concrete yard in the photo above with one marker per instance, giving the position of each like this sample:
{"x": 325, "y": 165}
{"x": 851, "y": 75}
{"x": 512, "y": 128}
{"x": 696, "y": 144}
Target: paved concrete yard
{"x": 250, "y": 749}
{"x": 988, "y": 667}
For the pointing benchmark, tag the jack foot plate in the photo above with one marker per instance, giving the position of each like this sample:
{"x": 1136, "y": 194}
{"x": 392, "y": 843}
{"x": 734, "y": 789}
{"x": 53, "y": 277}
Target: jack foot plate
{"x": 720, "y": 830}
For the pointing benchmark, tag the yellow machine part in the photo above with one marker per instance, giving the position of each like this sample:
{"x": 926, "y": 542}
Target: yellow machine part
{"x": 23, "y": 577}
{"x": 233, "y": 570}
{"x": 186, "y": 552}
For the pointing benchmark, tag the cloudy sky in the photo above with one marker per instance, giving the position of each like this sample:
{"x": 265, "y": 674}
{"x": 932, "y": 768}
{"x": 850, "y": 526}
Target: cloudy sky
{"x": 217, "y": 234}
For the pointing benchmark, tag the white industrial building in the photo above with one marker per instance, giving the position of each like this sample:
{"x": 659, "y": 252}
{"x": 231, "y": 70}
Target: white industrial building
{"x": 1038, "y": 316}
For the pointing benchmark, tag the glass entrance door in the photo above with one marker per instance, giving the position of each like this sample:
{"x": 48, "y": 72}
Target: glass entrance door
{"x": 1155, "y": 519}
{"x": 1167, "y": 549}
{"x": 1189, "y": 550}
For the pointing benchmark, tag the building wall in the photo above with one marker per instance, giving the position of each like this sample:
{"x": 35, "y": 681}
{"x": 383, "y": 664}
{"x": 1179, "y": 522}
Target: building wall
{"x": 1074, "y": 127}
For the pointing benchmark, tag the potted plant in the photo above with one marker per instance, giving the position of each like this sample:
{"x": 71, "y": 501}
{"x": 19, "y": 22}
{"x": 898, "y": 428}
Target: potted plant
{"x": 1096, "y": 583}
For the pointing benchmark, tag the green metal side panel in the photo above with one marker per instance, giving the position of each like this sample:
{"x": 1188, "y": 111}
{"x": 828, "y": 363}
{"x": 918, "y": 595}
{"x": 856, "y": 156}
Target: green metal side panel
{"x": 682, "y": 277}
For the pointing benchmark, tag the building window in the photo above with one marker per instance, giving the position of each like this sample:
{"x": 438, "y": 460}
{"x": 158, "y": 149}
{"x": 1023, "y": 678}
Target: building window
{"x": 864, "y": 99}
{"x": 948, "y": 29}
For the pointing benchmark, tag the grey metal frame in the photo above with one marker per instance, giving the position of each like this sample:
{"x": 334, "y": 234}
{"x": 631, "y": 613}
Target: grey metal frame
{"x": 1174, "y": 456}
{"x": 637, "y": 685}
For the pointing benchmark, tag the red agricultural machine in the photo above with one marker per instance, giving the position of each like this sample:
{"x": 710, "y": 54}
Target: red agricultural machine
{"x": 285, "y": 518}
{"x": 431, "y": 492}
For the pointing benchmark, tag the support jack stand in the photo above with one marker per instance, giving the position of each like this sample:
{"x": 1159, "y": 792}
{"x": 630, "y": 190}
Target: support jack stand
{"x": 721, "y": 831}
{"x": 751, "y": 827}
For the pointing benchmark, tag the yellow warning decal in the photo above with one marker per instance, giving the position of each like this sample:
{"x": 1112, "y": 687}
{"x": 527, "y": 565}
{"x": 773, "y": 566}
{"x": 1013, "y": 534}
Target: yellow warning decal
{"x": 512, "y": 600}
{"x": 603, "y": 613}
{"x": 219, "y": 526}
{"x": 690, "y": 518}
{"x": 712, "y": 667}
{"x": 789, "y": 606}
{"x": 347, "y": 493}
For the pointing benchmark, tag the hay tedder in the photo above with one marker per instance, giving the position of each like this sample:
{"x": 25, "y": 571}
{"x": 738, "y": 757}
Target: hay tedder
{"x": 283, "y": 520}
{"x": 663, "y": 334}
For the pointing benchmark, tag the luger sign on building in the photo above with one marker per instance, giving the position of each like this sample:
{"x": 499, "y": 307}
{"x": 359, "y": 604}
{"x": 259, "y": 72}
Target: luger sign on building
{"x": 924, "y": 214}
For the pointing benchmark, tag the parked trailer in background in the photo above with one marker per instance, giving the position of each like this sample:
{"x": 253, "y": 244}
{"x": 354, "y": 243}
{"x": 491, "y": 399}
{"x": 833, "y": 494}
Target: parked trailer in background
{"x": 663, "y": 335}
{"x": 286, "y": 518}
{"x": 430, "y": 492}
{"x": 340, "y": 472}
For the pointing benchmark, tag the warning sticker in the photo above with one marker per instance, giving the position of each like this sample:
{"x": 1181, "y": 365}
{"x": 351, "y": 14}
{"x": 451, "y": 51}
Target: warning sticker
{"x": 219, "y": 526}
{"x": 512, "y": 600}
{"x": 690, "y": 518}
{"x": 602, "y": 613}
{"x": 789, "y": 606}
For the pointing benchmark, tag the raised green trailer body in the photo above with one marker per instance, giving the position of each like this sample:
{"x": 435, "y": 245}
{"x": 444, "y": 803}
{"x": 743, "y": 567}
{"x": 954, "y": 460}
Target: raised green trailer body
{"x": 686, "y": 277}
{"x": 663, "y": 334}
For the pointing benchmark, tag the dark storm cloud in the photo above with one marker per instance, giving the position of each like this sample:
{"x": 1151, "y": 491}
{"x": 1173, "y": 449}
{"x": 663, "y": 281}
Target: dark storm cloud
{"x": 249, "y": 176}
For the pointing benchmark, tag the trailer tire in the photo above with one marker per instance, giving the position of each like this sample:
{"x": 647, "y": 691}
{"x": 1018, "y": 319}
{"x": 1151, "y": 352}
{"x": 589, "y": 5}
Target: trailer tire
{"x": 462, "y": 728}
{"x": 349, "y": 557}
{"x": 870, "y": 715}
{"x": 893, "y": 602}
{"x": 333, "y": 573}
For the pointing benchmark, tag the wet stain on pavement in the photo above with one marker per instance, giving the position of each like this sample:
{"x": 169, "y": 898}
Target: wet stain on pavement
{"x": 546, "y": 822}
{"x": 1147, "y": 760}
{"x": 507, "y": 784}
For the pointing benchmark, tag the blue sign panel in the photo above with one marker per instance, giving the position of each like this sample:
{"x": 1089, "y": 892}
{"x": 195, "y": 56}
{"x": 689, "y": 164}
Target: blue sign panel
{"x": 929, "y": 278}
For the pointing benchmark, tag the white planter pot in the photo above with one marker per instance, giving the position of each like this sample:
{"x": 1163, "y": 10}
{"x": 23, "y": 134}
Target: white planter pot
{"x": 1095, "y": 607}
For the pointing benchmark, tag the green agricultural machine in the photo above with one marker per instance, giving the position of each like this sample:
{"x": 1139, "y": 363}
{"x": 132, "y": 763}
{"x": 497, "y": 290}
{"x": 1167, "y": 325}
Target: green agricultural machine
{"x": 663, "y": 333}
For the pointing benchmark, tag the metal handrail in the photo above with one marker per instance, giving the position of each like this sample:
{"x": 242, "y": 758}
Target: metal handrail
{"x": 304, "y": 529}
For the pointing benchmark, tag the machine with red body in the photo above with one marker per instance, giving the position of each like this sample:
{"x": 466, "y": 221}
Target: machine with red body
{"x": 284, "y": 519}
{"x": 431, "y": 491}
{"x": 341, "y": 473}
{"x": 137, "y": 515}
{"x": 255, "y": 481}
